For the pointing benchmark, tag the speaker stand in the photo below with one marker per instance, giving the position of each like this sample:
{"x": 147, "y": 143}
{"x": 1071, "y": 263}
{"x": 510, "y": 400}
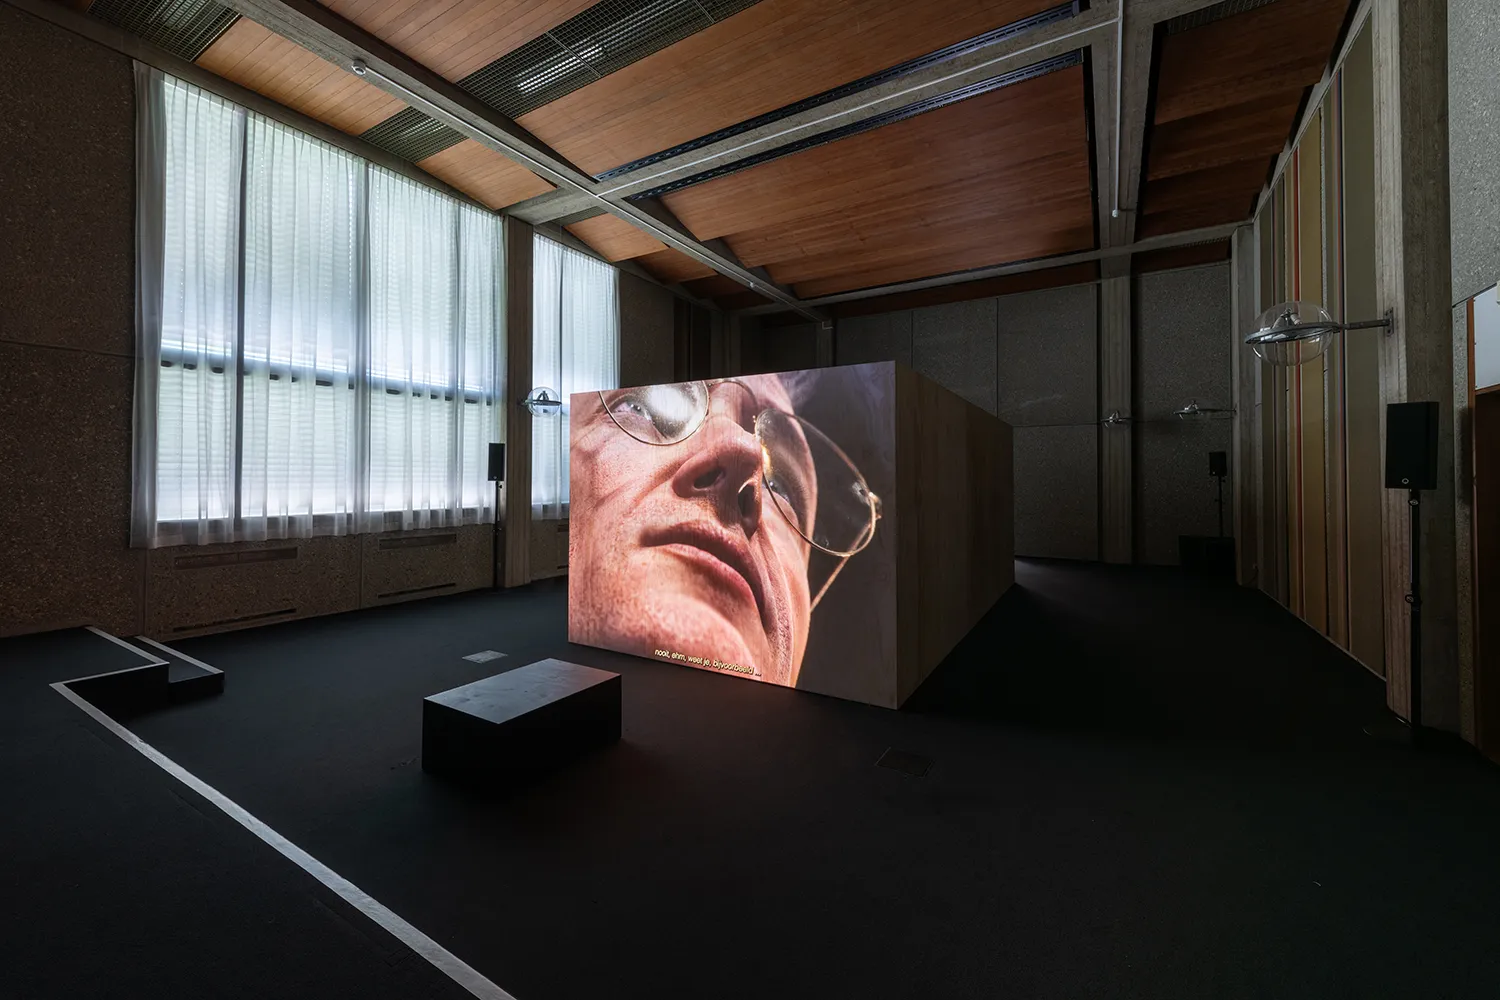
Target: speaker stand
{"x": 1414, "y": 502}
{"x": 1392, "y": 728}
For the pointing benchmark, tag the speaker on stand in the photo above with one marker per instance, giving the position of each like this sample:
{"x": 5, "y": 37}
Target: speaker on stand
{"x": 1411, "y": 464}
{"x": 497, "y": 476}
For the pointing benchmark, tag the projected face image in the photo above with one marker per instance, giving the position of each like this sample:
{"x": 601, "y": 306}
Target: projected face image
{"x": 697, "y": 506}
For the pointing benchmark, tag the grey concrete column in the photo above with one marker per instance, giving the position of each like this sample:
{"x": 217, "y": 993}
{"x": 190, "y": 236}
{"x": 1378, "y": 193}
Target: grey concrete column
{"x": 725, "y": 332}
{"x": 1413, "y": 278}
{"x": 1116, "y": 472}
{"x": 1243, "y": 370}
{"x": 825, "y": 343}
{"x": 517, "y": 546}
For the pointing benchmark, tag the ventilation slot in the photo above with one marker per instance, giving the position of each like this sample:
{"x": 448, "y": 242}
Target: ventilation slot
{"x": 433, "y": 589}
{"x": 417, "y": 541}
{"x": 412, "y": 135}
{"x": 185, "y": 28}
{"x": 1208, "y": 15}
{"x": 239, "y": 558}
{"x": 241, "y": 620}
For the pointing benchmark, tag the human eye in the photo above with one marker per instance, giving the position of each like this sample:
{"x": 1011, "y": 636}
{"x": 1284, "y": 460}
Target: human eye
{"x": 630, "y": 411}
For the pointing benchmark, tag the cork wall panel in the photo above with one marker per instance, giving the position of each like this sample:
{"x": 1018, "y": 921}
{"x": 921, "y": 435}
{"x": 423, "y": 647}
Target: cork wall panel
{"x": 65, "y": 492}
{"x": 647, "y": 333}
{"x": 193, "y": 589}
{"x": 407, "y": 565}
{"x": 67, "y": 182}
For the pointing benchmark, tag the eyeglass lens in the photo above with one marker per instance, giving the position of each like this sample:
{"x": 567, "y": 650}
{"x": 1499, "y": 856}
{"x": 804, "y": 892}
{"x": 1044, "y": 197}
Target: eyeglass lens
{"x": 812, "y": 483}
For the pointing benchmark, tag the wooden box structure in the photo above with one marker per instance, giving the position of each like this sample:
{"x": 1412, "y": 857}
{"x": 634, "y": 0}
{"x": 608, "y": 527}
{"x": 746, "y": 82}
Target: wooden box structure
{"x": 837, "y": 530}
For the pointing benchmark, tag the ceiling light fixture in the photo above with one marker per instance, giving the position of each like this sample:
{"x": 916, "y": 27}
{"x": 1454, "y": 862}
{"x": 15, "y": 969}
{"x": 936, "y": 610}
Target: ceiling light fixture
{"x": 1294, "y": 333}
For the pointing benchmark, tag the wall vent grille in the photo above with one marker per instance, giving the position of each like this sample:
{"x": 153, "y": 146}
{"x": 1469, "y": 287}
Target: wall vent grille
{"x": 185, "y": 28}
{"x": 432, "y": 589}
{"x": 241, "y": 620}
{"x": 234, "y": 558}
{"x": 417, "y": 541}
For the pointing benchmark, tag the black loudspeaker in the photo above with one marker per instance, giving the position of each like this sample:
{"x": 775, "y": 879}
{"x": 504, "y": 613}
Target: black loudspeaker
{"x": 1411, "y": 446}
{"x": 1218, "y": 463}
{"x": 497, "y": 462}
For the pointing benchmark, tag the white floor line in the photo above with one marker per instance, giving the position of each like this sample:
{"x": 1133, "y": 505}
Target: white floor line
{"x": 444, "y": 960}
{"x": 151, "y": 661}
{"x": 180, "y": 655}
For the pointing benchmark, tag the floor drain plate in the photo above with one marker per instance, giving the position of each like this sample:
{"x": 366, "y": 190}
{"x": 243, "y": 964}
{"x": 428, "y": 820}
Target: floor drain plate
{"x": 483, "y": 656}
{"x": 907, "y": 763}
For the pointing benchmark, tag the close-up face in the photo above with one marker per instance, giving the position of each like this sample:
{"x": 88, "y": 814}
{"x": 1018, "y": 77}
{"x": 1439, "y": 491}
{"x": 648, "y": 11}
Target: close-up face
{"x": 683, "y": 548}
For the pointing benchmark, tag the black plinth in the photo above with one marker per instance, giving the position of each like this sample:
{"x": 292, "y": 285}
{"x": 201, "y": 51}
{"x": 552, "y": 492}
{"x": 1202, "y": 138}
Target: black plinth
{"x": 523, "y": 721}
{"x": 1206, "y": 554}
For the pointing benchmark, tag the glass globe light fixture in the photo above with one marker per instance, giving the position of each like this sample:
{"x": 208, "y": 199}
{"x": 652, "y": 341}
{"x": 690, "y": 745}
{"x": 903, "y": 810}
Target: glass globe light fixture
{"x": 1293, "y": 333}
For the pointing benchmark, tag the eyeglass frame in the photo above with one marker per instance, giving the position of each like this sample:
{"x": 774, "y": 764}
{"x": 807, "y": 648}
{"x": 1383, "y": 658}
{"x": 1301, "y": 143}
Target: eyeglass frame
{"x": 873, "y": 499}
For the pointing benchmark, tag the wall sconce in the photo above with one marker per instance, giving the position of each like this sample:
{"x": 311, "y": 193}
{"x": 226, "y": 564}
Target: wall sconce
{"x": 542, "y": 401}
{"x": 1115, "y": 419}
{"x": 1292, "y": 333}
{"x": 1193, "y": 410}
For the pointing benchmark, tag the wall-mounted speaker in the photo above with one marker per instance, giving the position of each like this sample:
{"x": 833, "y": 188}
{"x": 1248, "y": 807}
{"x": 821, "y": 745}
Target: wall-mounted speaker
{"x": 1411, "y": 446}
{"x": 497, "y": 462}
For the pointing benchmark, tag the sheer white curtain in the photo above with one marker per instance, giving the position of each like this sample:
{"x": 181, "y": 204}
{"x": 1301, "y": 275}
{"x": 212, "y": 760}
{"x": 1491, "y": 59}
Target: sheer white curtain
{"x": 575, "y": 347}
{"x": 318, "y": 338}
{"x": 188, "y": 246}
{"x": 303, "y": 205}
{"x": 434, "y": 324}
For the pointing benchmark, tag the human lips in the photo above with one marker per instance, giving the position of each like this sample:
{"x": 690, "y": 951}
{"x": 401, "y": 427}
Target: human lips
{"x": 720, "y": 551}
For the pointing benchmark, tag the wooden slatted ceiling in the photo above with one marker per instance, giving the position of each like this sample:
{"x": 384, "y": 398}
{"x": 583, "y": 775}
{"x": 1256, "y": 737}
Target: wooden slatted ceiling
{"x": 997, "y": 178}
{"x": 456, "y": 37}
{"x": 1227, "y": 95}
{"x": 484, "y": 174}
{"x": 614, "y": 238}
{"x": 673, "y": 266}
{"x": 261, "y": 60}
{"x": 763, "y": 58}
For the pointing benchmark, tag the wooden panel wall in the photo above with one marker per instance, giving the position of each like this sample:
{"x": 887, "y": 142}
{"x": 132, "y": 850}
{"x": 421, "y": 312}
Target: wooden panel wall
{"x": 956, "y": 544}
{"x": 1361, "y": 355}
{"x": 1320, "y": 446}
{"x": 1309, "y": 418}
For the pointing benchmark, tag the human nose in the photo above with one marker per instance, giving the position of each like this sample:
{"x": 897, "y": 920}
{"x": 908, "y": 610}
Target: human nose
{"x": 724, "y": 470}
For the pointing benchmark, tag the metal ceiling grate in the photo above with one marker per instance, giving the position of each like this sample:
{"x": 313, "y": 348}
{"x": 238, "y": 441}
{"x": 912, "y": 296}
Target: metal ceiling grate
{"x": 412, "y": 135}
{"x": 1031, "y": 72}
{"x": 589, "y": 46}
{"x": 1208, "y": 15}
{"x": 185, "y": 28}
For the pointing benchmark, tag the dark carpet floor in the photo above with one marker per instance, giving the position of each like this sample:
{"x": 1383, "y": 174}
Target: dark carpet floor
{"x": 1143, "y": 785}
{"x": 117, "y": 882}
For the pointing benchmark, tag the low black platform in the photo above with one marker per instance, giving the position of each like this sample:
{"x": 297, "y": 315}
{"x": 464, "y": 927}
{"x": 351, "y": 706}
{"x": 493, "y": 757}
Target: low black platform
{"x": 167, "y": 677}
{"x": 521, "y": 722}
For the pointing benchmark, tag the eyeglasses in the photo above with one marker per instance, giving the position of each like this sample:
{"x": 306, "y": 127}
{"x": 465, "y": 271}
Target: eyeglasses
{"x": 814, "y": 485}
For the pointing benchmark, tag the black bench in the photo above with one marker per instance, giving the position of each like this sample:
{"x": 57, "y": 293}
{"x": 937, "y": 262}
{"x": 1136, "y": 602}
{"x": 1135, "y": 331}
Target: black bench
{"x": 520, "y": 722}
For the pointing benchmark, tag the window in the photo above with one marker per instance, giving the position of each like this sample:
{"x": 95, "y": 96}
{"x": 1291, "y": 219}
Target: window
{"x": 319, "y": 337}
{"x": 575, "y": 347}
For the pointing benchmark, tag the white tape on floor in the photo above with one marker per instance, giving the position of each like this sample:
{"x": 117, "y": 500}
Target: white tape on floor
{"x": 444, "y": 960}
